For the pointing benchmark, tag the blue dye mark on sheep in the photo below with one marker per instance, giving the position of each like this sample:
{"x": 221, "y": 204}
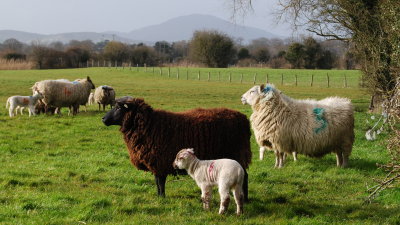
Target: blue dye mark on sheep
{"x": 318, "y": 112}
{"x": 267, "y": 89}
{"x": 75, "y": 82}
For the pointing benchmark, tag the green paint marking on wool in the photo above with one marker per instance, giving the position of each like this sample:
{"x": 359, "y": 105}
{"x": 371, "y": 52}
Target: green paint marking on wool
{"x": 318, "y": 112}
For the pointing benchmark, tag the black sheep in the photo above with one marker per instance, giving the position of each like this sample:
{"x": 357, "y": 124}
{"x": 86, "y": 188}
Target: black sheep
{"x": 154, "y": 137}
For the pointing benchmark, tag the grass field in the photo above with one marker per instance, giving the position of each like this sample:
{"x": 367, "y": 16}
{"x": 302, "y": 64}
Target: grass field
{"x": 75, "y": 170}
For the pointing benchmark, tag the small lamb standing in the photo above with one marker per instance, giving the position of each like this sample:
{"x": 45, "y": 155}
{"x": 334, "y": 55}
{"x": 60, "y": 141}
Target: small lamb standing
{"x": 104, "y": 95}
{"x": 226, "y": 173}
{"x": 91, "y": 99}
{"x": 309, "y": 127}
{"x": 23, "y": 101}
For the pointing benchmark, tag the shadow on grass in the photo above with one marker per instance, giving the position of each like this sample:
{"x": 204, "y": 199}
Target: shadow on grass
{"x": 284, "y": 207}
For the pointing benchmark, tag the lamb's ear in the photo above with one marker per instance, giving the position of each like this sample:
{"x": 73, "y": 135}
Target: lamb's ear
{"x": 88, "y": 78}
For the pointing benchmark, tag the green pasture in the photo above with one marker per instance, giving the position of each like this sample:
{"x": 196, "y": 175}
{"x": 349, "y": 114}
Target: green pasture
{"x": 74, "y": 170}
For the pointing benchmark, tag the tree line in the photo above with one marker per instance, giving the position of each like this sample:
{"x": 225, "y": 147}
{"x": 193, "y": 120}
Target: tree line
{"x": 206, "y": 48}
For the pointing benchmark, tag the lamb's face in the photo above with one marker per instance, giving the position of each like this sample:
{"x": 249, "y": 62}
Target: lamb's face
{"x": 252, "y": 95}
{"x": 182, "y": 160}
{"x": 116, "y": 115}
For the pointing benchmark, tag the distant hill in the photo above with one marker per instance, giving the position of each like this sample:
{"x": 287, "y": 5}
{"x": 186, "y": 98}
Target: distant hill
{"x": 28, "y": 38}
{"x": 182, "y": 28}
{"x": 176, "y": 29}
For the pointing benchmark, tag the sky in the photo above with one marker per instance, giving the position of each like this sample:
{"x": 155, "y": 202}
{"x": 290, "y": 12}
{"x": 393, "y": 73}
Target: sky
{"x": 59, "y": 16}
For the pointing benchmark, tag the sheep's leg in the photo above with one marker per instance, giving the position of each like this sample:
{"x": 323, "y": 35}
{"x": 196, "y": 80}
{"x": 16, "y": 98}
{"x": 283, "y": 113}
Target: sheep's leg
{"x": 104, "y": 107}
{"x": 223, "y": 190}
{"x": 160, "y": 181}
{"x": 21, "y": 109}
{"x": 339, "y": 159}
{"x": 206, "y": 194}
{"x": 345, "y": 161}
{"x": 85, "y": 108}
{"x": 262, "y": 150}
{"x": 239, "y": 198}
{"x": 294, "y": 156}
{"x": 246, "y": 186}
{"x": 281, "y": 159}
{"x": 11, "y": 111}
{"x": 276, "y": 158}
{"x": 99, "y": 106}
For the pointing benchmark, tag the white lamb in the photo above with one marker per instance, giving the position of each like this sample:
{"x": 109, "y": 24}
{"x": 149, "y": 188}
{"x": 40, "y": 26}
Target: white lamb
{"x": 14, "y": 102}
{"x": 309, "y": 127}
{"x": 226, "y": 173}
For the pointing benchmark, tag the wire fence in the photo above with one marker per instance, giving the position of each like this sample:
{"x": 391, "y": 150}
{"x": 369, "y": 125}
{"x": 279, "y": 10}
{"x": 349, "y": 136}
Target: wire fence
{"x": 283, "y": 77}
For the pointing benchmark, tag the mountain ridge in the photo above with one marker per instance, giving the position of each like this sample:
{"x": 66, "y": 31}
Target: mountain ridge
{"x": 175, "y": 29}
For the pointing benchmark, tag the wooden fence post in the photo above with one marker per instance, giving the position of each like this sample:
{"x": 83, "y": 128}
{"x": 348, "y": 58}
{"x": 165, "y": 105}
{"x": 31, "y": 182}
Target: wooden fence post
{"x": 267, "y": 79}
{"x": 198, "y": 75}
{"x": 312, "y": 79}
{"x": 241, "y": 78}
{"x": 327, "y": 77}
{"x": 296, "y": 79}
{"x": 345, "y": 81}
{"x": 255, "y": 78}
{"x": 177, "y": 73}
{"x": 282, "y": 79}
{"x": 230, "y": 77}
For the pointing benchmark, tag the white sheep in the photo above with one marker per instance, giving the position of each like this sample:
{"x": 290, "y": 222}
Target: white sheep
{"x": 104, "y": 95}
{"x": 227, "y": 174}
{"x": 309, "y": 127}
{"x": 14, "y": 102}
{"x": 63, "y": 93}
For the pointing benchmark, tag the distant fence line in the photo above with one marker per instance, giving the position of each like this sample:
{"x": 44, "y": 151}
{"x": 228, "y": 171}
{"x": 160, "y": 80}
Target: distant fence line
{"x": 329, "y": 79}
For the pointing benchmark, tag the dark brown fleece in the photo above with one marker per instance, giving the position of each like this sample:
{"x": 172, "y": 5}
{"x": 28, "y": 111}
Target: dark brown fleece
{"x": 154, "y": 137}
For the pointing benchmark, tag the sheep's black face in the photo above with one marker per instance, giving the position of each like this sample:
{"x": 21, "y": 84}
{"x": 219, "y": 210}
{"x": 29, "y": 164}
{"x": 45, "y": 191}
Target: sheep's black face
{"x": 116, "y": 115}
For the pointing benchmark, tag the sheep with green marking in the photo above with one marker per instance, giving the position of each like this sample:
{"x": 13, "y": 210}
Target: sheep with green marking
{"x": 309, "y": 127}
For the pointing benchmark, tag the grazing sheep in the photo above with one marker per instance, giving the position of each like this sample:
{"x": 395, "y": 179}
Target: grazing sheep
{"x": 104, "y": 95}
{"x": 309, "y": 127}
{"x": 60, "y": 93}
{"x": 14, "y": 102}
{"x": 154, "y": 137}
{"x": 227, "y": 174}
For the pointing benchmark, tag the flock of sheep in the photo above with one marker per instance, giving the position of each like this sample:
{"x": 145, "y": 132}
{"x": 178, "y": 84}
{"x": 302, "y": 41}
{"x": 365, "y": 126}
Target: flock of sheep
{"x": 49, "y": 96}
{"x": 212, "y": 145}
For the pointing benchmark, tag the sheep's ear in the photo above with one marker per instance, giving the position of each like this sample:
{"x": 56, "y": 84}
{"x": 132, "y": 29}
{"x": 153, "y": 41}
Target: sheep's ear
{"x": 191, "y": 150}
{"x": 88, "y": 78}
{"x": 260, "y": 88}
